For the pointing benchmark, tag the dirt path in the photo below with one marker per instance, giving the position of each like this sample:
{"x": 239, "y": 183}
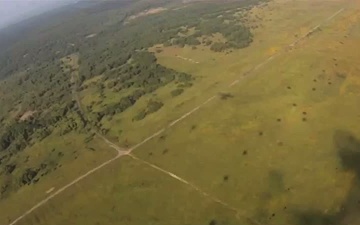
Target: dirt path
{"x": 187, "y": 59}
{"x": 238, "y": 212}
{"x": 293, "y": 44}
{"x": 74, "y": 80}
{"x": 59, "y": 191}
{"x": 122, "y": 152}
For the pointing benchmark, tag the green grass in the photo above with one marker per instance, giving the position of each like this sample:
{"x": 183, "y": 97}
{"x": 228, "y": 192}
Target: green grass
{"x": 78, "y": 157}
{"x": 131, "y": 193}
{"x": 256, "y": 150}
{"x": 242, "y": 138}
{"x": 66, "y": 156}
{"x": 215, "y": 71}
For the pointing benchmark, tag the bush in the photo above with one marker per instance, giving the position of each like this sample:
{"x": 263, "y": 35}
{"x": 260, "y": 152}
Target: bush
{"x": 111, "y": 84}
{"x": 208, "y": 42}
{"x": 183, "y": 77}
{"x": 224, "y": 96}
{"x": 153, "y": 106}
{"x": 177, "y": 92}
{"x": 218, "y": 47}
{"x": 191, "y": 41}
{"x": 28, "y": 176}
{"x": 10, "y": 168}
{"x": 141, "y": 115}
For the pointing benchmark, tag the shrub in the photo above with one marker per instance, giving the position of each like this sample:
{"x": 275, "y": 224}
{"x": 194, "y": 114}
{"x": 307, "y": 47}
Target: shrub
{"x": 141, "y": 115}
{"x": 152, "y": 107}
{"x": 177, "y": 92}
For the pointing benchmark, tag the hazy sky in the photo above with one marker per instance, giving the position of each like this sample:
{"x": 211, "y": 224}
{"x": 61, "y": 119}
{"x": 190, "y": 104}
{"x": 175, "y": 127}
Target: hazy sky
{"x": 14, "y": 10}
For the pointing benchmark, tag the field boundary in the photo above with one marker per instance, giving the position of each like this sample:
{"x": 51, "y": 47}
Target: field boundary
{"x": 122, "y": 152}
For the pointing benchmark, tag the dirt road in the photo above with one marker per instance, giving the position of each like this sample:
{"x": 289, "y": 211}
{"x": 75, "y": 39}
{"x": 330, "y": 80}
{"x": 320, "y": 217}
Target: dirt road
{"x": 122, "y": 152}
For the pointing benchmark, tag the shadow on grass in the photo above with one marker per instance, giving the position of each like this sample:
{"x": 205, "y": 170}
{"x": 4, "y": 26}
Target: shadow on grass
{"x": 275, "y": 189}
{"x": 224, "y": 96}
{"x": 348, "y": 148}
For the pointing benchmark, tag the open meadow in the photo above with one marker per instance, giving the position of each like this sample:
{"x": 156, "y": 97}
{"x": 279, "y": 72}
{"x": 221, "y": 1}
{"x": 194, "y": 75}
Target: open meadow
{"x": 268, "y": 134}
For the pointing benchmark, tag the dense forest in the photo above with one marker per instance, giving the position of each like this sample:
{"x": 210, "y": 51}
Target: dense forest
{"x": 108, "y": 43}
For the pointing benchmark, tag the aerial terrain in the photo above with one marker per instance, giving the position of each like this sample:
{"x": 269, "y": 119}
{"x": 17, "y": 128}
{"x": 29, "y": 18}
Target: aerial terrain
{"x": 166, "y": 112}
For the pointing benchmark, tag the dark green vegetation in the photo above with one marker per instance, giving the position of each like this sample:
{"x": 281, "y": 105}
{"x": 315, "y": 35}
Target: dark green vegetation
{"x": 37, "y": 88}
{"x": 237, "y": 35}
{"x": 152, "y": 107}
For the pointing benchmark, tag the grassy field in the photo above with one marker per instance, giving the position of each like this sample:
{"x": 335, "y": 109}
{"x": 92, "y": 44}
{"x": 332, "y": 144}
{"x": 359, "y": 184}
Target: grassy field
{"x": 274, "y": 148}
{"x": 58, "y": 160}
{"x": 67, "y": 157}
{"x": 215, "y": 71}
{"x": 279, "y": 146}
{"x": 129, "y": 194}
